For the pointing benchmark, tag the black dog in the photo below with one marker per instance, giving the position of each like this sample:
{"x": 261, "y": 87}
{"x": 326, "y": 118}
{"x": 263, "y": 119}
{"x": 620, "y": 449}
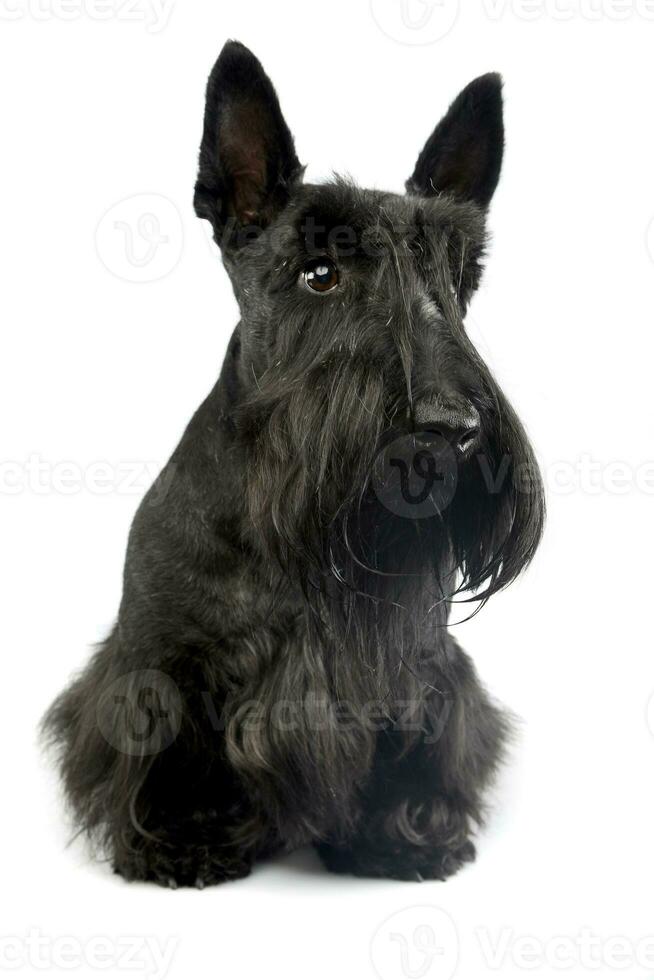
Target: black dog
{"x": 281, "y": 670}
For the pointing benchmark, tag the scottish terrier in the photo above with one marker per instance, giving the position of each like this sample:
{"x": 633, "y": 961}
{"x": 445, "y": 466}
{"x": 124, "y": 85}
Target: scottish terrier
{"x": 281, "y": 671}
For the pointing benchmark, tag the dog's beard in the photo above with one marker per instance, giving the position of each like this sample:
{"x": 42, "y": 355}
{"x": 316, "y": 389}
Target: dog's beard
{"x": 310, "y": 445}
{"x": 367, "y": 572}
{"x": 496, "y": 517}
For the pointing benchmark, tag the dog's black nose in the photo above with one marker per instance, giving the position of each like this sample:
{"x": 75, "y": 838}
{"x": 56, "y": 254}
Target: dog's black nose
{"x": 460, "y": 426}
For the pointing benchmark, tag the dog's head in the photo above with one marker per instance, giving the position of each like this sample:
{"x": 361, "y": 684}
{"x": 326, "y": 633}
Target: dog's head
{"x": 361, "y": 394}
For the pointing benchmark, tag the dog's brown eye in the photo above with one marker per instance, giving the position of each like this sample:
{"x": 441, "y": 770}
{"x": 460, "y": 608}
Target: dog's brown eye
{"x": 321, "y": 275}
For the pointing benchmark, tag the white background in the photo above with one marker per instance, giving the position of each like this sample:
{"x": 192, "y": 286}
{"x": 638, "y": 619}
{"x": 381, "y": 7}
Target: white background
{"x": 98, "y": 367}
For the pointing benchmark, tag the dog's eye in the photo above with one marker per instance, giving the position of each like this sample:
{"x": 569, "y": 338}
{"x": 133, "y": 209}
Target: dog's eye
{"x": 320, "y": 275}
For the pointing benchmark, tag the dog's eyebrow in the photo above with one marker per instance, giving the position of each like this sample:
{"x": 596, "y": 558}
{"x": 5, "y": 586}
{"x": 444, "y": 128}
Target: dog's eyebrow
{"x": 315, "y": 225}
{"x": 346, "y": 231}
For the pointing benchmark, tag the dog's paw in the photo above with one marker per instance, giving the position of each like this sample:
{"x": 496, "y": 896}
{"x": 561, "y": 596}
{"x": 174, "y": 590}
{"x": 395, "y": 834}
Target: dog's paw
{"x": 174, "y": 864}
{"x": 448, "y": 861}
{"x": 409, "y": 863}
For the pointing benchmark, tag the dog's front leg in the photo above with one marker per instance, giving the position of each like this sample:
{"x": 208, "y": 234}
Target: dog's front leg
{"x": 425, "y": 796}
{"x": 142, "y": 754}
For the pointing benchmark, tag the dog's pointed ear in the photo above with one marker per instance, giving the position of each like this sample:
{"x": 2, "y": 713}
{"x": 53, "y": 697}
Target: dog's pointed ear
{"x": 463, "y": 156}
{"x": 247, "y": 157}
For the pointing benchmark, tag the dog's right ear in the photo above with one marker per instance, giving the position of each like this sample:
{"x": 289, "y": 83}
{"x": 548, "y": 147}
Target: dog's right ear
{"x": 247, "y": 157}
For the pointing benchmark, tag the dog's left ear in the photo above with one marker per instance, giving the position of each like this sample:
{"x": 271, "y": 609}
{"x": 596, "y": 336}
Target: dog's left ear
{"x": 463, "y": 156}
{"x": 247, "y": 156}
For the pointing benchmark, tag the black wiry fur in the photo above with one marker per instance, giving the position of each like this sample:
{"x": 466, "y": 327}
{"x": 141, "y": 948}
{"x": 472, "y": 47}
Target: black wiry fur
{"x": 281, "y": 670}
